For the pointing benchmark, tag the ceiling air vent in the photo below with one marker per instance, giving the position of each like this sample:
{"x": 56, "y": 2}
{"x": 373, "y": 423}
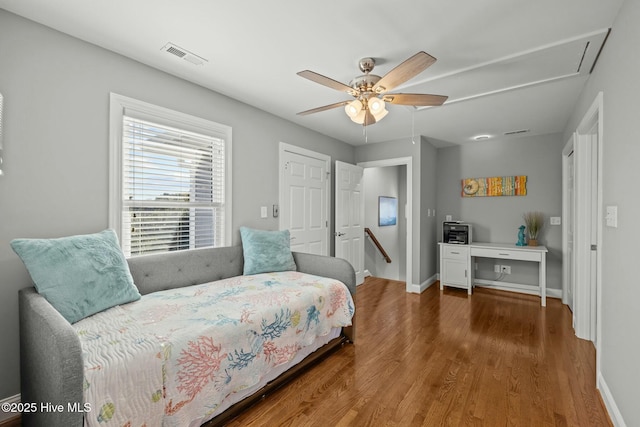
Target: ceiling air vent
{"x": 184, "y": 54}
{"x": 517, "y": 132}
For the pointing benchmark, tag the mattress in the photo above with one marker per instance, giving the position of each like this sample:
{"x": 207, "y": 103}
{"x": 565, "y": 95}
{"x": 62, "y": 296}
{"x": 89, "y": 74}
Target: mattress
{"x": 182, "y": 356}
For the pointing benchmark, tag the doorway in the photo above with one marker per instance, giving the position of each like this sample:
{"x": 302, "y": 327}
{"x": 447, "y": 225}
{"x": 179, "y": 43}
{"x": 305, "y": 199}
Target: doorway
{"x": 385, "y": 188}
{"x": 408, "y": 187}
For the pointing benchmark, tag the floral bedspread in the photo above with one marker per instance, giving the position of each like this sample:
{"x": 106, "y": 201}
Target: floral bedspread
{"x": 173, "y": 357}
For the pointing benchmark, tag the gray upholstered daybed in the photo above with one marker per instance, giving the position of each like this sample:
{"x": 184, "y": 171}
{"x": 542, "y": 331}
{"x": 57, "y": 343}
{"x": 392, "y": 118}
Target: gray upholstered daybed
{"x": 51, "y": 353}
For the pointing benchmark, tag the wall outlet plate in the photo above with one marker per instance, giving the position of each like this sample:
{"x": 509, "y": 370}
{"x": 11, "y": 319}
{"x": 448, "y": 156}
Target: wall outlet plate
{"x": 555, "y": 220}
{"x": 506, "y": 269}
{"x": 497, "y": 268}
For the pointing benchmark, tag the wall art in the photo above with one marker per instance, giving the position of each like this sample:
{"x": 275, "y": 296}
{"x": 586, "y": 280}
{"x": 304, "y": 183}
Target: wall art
{"x": 494, "y": 186}
{"x": 387, "y": 211}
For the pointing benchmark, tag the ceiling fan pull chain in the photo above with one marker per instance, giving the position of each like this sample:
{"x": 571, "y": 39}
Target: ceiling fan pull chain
{"x": 413, "y": 125}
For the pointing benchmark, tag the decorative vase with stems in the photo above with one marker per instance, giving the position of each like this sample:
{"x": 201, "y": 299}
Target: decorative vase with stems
{"x": 534, "y": 222}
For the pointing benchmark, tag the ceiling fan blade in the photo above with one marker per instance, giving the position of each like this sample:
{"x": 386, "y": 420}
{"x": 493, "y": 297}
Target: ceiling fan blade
{"x": 324, "y": 108}
{"x": 417, "y": 99}
{"x": 326, "y": 81}
{"x": 405, "y": 71}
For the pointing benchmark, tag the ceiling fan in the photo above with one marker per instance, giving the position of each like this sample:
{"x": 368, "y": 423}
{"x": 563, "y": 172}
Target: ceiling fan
{"x": 370, "y": 90}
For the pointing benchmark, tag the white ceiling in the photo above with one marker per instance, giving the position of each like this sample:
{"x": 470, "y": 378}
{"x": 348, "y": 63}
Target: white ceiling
{"x": 505, "y": 64}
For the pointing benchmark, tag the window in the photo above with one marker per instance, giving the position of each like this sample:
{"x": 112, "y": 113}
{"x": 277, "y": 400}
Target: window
{"x": 170, "y": 179}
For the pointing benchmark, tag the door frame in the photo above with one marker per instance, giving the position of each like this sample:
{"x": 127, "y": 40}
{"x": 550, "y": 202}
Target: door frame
{"x": 566, "y": 274}
{"x": 408, "y": 162}
{"x": 284, "y": 147}
{"x": 584, "y": 323}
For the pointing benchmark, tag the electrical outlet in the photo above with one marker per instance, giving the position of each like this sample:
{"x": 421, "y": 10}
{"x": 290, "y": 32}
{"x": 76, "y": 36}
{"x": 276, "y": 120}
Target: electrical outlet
{"x": 263, "y": 211}
{"x": 497, "y": 268}
{"x": 506, "y": 269}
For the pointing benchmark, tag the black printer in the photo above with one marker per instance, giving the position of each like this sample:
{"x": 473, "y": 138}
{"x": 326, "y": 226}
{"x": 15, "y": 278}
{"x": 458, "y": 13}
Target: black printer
{"x": 456, "y": 232}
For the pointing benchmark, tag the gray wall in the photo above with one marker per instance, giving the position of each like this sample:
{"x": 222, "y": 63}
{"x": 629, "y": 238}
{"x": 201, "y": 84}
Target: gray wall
{"x": 385, "y": 181}
{"x": 56, "y": 100}
{"x": 496, "y": 219}
{"x": 616, "y": 75}
{"x": 429, "y": 182}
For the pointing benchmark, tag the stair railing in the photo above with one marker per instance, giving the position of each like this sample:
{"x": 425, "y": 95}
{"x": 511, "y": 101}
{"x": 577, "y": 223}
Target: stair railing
{"x": 377, "y": 243}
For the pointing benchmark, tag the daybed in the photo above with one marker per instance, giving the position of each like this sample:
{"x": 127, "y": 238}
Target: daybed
{"x": 52, "y": 371}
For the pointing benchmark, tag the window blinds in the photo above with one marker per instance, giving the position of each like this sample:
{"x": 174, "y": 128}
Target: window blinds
{"x": 173, "y": 183}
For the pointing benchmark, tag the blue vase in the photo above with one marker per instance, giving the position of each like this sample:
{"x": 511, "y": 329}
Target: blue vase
{"x": 521, "y": 240}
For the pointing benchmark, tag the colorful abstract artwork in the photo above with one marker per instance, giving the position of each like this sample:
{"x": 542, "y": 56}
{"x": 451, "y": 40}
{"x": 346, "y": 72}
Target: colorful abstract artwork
{"x": 494, "y": 186}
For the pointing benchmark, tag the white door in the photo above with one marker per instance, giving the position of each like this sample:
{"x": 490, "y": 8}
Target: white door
{"x": 349, "y": 211}
{"x": 593, "y": 231}
{"x": 569, "y": 225}
{"x": 585, "y": 235}
{"x": 304, "y": 199}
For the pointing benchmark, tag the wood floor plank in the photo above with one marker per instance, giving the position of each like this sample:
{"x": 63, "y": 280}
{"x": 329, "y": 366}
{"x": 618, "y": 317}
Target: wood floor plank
{"x": 445, "y": 358}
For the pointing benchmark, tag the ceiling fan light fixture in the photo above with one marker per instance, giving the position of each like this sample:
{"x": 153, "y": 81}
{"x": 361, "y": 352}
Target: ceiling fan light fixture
{"x": 359, "y": 118}
{"x": 376, "y": 105}
{"x": 380, "y": 115}
{"x": 354, "y": 109}
{"x": 377, "y": 108}
{"x": 370, "y": 90}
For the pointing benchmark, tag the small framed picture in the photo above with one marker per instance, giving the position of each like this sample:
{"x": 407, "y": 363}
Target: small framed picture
{"x": 387, "y": 211}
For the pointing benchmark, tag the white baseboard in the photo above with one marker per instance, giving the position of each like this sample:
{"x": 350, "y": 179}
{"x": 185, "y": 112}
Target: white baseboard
{"x": 609, "y": 402}
{"x": 418, "y": 289}
{"x": 4, "y": 416}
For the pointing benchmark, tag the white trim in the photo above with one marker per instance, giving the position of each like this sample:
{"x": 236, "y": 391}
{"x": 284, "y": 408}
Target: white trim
{"x": 408, "y": 162}
{"x": 418, "y": 289}
{"x": 117, "y": 105}
{"x": 4, "y": 416}
{"x": 609, "y": 402}
{"x": 566, "y": 159}
{"x": 282, "y": 147}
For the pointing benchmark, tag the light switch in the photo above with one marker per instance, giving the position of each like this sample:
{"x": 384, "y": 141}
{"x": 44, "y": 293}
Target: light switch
{"x": 611, "y": 217}
{"x": 263, "y": 211}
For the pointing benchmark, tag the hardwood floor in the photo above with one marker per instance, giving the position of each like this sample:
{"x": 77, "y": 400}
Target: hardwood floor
{"x": 444, "y": 358}
{"x": 13, "y": 422}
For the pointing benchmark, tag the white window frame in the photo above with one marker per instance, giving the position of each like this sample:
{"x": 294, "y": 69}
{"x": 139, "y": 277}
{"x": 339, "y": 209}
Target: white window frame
{"x": 118, "y": 105}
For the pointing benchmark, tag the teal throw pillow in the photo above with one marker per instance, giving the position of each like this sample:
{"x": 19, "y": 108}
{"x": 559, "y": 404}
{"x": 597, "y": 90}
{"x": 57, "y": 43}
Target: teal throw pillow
{"x": 79, "y": 275}
{"x": 266, "y": 251}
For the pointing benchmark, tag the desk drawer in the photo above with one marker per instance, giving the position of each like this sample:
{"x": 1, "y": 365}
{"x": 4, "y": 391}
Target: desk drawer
{"x": 456, "y": 252}
{"x": 506, "y": 254}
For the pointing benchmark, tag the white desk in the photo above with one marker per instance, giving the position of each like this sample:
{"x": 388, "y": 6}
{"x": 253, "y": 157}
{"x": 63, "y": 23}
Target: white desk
{"x": 520, "y": 253}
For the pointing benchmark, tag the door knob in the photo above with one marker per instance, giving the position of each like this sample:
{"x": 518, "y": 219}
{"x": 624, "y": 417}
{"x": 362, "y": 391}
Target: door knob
{"x": 339, "y": 234}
